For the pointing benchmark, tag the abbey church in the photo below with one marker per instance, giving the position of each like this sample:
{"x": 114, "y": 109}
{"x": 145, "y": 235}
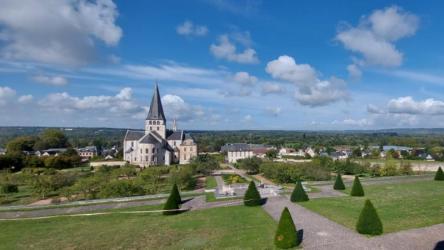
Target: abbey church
{"x": 157, "y": 145}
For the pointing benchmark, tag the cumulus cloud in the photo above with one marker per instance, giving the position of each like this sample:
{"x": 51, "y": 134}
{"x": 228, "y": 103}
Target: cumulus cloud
{"x": 274, "y": 111}
{"x": 358, "y": 122}
{"x": 176, "y": 108}
{"x": 245, "y": 79}
{"x": 372, "y": 109}
{"x": 227, "y": 50}
{"x": 6, "y": 95}
{"x": 375, "y": 36}
{"x": 57, "y": 31}
{"x": 25, "y": 99}
{"x": 272, "y": 88}
{"x": 353, "y": 71}
{"x": 407, "y": 105}
{"x": 51, "y": 80}
{"x": 247, "y": 118}
{"x": 120, "y": 103}
{"x": 311, "y": 91}
{"x": 188, "y": 28}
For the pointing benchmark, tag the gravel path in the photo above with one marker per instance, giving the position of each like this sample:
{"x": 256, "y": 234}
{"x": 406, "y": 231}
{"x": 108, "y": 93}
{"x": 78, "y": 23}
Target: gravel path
{"x": 325, "y": 191}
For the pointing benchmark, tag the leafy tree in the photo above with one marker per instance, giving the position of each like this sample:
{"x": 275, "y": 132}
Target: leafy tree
{"x": 339, "y": 184}
{"x": 357, "y": 189}
{"x": 252, "y": 196}
{"x": 251, "y": 165}
{"x": 369, "y": 221}
{"x": 21, "y": 143}
{"x": 34, "y": 162}
{"x": 271, "y": 154}
{"x": 390, "y": 168}
{"x": 204, "y": 164}
{"x": 120, "y": 188}
{"x": 173, "y": 203}
{"x": 439, "y": 176}
{"x": 357, "y": 152}
{"x": 51, "y": 138}
{"x": 299, "y": 193}
{"x": 286, "y": 234}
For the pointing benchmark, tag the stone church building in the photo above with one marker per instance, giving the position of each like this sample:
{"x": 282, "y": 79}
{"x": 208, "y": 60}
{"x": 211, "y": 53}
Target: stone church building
{"x": 157, "y": 145}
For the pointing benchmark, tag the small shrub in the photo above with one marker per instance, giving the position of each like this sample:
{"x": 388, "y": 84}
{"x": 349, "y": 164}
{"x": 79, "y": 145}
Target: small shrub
{"x": 173, "y": 202}
{"x": 286, "y": 234}
{"x": 339, "y": 184}
{"x": 369, "y": 222}
{"x": 357, "y": 189}
{"x": 439, "y": 176}
{"x": 9, "y": 188}
{"x": 299, "y": 193}
{"x": 252, "y": 196}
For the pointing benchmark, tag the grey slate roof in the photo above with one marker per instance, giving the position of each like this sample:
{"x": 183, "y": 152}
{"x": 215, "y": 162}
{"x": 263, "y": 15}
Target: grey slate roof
{"x": 156, "y": 109}
{"x": 177, "y": 135}
{"x": 134, "y": 135}
{"x": 149, "y": 139}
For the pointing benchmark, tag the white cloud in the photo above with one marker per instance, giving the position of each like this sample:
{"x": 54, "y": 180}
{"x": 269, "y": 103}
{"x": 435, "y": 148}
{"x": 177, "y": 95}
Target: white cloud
{"x": 358, "y": 122}
{"x": 247, "y": 118}
{"x": 57, "y": 31}
{"x": 272, "y": 88}
{"x": 6, "y": 95}
{"x": 376, "y": 34}
{"x": 25, "y": 99}
{"x": 225, "y": 49}
{"x": 120, "y": 103}
{"x": 407, "y": 105}
{"x": 372, "y": 109}
{"x": 245, "y": 79}
{"x": 274, "y": 111}
{"x": 51, "y": 80}
{"x": 188, "y": 28}
{"x": 176, "y": 108}
{"x": 354, "y": 71}
{"x": 311, "y": 91}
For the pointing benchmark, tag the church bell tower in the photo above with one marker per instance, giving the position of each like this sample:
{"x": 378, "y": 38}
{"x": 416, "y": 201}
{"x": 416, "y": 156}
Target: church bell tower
{"x": 155, "y": 121}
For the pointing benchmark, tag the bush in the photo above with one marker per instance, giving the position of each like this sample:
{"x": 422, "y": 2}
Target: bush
{"x": 298, "y": 193}
{"x": 286, "y": 234}
{"x": 357, "y": 189}
{"x": 251, "y": 165}
{"x": 120, "y": 188}
{"x": 369, "y": 222}
{"x": 9, "y": 188}
{"x": 292, "y": 172}
{"x": 439, "y": 176}
{"x": 390, "y": 168}
{"x": 252, "y": 196}
{"x": 339, "y": 184}
{"x": 173, "y": 202}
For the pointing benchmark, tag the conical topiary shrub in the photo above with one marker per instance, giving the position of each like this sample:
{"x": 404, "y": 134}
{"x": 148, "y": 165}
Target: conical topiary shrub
{"x": 357, "y": 189}
{"x": 439, "y": 176}
{"x": 252, "y": 196}
{"x": 286, "y": 234}
{"x": 339, "y": 184}
{"x": 369, "y": 222}
{"x": 299, "y": 193}
{"x": 173, "y": 202}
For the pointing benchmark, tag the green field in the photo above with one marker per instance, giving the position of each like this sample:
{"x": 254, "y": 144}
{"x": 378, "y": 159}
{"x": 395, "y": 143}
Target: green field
{"x": 210, "y": 182}
{"x": 400, "y": 206}
{"x": 236, "y": 227}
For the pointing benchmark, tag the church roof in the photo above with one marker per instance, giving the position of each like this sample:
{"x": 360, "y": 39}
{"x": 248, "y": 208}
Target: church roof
{"x": 149, "y": 139}
{"x": 133, "y": 135}
{"x": 156, "y": 109}
{"x": 176, "y": 135}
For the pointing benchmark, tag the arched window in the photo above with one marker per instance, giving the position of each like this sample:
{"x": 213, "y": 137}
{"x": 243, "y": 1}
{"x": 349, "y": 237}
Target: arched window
{"x": 158, "y": 122}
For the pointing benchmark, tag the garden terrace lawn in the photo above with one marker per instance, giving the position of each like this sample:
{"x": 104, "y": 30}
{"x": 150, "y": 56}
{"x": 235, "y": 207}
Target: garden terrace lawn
{"x": 210, "y": 182}
{"x": 400, "y": 206}
{"x": 235, "y": 227}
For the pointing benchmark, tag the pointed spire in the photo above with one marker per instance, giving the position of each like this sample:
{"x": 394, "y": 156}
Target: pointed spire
{"x": 156, "y": 109}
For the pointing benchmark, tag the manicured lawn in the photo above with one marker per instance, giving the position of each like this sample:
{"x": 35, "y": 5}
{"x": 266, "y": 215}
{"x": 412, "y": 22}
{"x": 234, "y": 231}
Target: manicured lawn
{"x": 233, "y": 178}
{"x": 400, "y": 206}
{"x": 217, "y": 228}
{"x": 210, "y": 182}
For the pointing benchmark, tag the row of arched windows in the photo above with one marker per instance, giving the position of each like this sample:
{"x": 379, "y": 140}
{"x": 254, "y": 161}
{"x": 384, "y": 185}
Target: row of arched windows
{"x": 154, "y": 122}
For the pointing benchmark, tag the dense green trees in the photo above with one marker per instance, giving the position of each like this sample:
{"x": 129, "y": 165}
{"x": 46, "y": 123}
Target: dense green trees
{"x": 173, "y": 203}
{"x": 286, "y": 233}
{"x": 252, "y": 196}
{"x": 439, "y": 176}
{"x": 271, "y": 154}
{"x": 369, "y": 221}
{"x": 299, "y": 194}
{"x": 204, "y": 164}
{"x": 290, "y": 173}
{"x": 357, "y": 189}
{"x": 251, "y": 165}
{"x": 339, "y": 184}
{"x": 21, "y": 143}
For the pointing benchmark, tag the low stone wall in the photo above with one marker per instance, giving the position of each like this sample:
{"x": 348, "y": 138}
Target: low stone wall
{"x": 425, "y": 166}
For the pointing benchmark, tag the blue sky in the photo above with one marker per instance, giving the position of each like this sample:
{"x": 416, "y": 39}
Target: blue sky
{"x": 223, "y": 64}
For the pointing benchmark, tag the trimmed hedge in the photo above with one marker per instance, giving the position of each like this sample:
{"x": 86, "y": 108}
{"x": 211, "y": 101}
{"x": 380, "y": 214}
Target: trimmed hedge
{"x": 369, "y": 221}
{"x": 299, "y": 193}
{"x": 439, "y": 176}
{"x": 357, "y": 189}
{"x": 286, "y": 233}
{"x": 173, "y": 202}
{"x": 339, "y": 184}
{"x": 252, "y": 196}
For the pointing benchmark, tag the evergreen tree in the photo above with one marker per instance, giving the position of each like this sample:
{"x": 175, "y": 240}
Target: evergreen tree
{"x": 357, "y": 189}
{"x": 252, "y": 196}
{"x": 299, "y": 193}
{"x": 439, "y": 176}
{"x": 173, "y": 202}
{"x": 286, "y": 234}
{"x": 339, "y": 184}
{"x": 369, "y": 222}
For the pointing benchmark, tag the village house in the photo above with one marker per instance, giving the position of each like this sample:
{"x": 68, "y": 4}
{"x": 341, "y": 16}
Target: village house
{"x": 87, "y": 152}
{"x": 238, "y": 151}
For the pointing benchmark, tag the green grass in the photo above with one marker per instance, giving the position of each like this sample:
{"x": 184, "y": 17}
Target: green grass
{"x": 233, "y": 178}
{"x": 236, "y": 227}
{"x": 210, "y": 182}
{"x": 400, "y": 206}
{"x": 23, "y": 196}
